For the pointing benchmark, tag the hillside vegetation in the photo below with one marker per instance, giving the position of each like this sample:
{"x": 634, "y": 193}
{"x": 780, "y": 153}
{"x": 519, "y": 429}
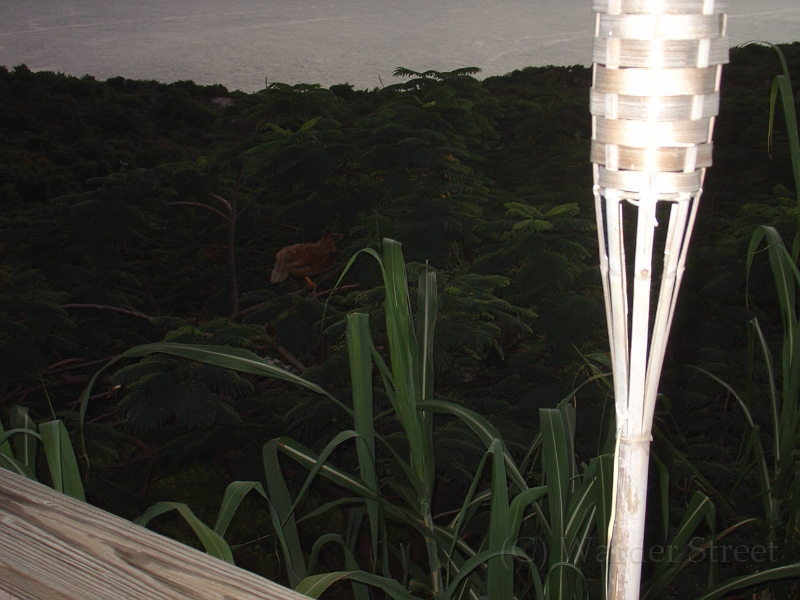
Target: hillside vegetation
{"x": 135, "y": 212}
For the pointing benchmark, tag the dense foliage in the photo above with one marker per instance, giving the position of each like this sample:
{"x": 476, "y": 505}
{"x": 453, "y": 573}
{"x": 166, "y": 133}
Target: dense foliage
{"x": 136, "y": 212}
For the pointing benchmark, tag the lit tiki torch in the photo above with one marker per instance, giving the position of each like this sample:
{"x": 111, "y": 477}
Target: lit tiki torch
{"x": 654, "y": 98}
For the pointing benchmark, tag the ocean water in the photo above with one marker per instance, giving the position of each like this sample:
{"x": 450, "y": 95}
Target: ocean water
{"x": 239, "y": 43}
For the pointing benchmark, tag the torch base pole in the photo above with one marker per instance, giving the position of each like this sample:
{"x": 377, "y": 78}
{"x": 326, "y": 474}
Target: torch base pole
{"x": 630, "y": 501}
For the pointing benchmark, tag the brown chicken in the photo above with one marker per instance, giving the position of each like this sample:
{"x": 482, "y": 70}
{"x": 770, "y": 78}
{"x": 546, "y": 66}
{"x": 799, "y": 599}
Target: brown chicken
{"x": 304, "y": 260}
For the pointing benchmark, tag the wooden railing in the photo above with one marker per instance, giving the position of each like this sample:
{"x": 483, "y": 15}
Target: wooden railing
{"x": 52, "y": 546}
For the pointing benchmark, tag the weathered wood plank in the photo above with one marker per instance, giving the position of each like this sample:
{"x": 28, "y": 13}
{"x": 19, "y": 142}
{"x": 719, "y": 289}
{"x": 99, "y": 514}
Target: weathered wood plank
{"x": 55, "y": 547}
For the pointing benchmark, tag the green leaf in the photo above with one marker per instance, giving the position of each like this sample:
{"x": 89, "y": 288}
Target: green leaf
{"x": 10, "y": 463}
{"x": 211, "y": 540}
{"x": 338, "y": 440}
{"x": 309, "y": 124}
{"x": 663, "y": 477}
{"x": 360, "y": 592}
{"x": 482, "y": 428}
{"x": 747, "y": 581}
{"x": 475, "y": 561}
{"x": 307, "y": 458}
{"x": 25, "y": 445}
{"x": 281, "y": 510}
{"x": 603, "y": 466}
{"x": 581, "y": 507}
{"x": 518, "y": 504}
{"x": 500, "y": 581}
{"x": 234, "y": 494}
{"x": 783, "y": 84}
{"x": 237, "y": 359}
{"x": 556, "y": 461}
{"x": 5, "y": 447}
{"x": 61, "y": 459}
{"x": 359, "y": 346}
{"x": 314, "y": 585}
{"x": 700, "y": 508}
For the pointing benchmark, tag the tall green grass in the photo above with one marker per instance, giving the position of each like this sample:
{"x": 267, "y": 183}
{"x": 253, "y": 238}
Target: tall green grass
{"x": 773, "y": 453}
{"x": 564, "y": 507}
{"x": 569, "y": 510}
{"x": 18, "y": 451}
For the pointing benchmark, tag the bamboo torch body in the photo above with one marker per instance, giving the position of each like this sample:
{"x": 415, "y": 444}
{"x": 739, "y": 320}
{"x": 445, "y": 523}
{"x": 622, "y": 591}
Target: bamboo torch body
{"x": 655, "y": 93}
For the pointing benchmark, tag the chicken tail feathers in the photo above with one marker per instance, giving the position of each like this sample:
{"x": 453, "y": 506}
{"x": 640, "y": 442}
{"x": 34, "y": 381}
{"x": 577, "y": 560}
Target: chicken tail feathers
{"x": 278, "y": 276}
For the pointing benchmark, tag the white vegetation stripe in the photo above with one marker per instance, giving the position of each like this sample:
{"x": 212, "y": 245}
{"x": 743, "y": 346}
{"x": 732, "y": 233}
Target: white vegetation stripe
{"x": 580, "y": 503}
{"x": 699, "y": 506}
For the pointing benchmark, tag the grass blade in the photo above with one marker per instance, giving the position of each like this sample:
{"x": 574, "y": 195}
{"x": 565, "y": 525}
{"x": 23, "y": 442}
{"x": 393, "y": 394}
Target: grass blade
{"x": 518, "y": 504}
{"x": 501, "y": 574}
{"x": 556, "y": 466}
{"x": 234, "y": 494}
{"x": 315, "y": 585}
{"x": 282, "y": 513}
{"x": 700, "y": 508}
{"x": 10, "y": 463}
{"x": 211, "y": 540}
{"x": 482, "y": 428}
{"x": 360, "y": 591}
{"x": 338, "y": 440}
{"x": 307, "y": 458}
{"x": 603, "y": 467}
{"x": 663, "y": 479}
{"x": 25, "y": 446}
{"x": 404, "y": 360}
{"x": 359, "y": 346}
{"x": 754, "y": 579}
{"x": 581, "y": 506}
{"x": 475, "y": 561}
{"x": 236, "y": 359}
{"x": 5, "y": 447}
{"x": 61, "y": 459}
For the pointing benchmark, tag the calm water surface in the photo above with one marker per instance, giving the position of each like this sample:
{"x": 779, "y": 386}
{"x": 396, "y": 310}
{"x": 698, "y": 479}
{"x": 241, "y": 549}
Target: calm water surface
{"x": 240, "y": 42}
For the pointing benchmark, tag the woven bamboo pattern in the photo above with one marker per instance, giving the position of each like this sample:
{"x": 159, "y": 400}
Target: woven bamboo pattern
{"x": 654, "y": 98}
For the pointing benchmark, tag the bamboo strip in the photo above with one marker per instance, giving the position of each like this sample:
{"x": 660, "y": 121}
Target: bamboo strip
{"x": 604, "y": 268}
{"x": 660, "y": 26}
{"x": 668, "y": 108}
{"x": 659, "y": 53}
{"x": 618, "y": 300}
{"x": 635, "y": 183}
{"x": 693, "y": 203}
{"x": 651, "y": 159}
{"x": 660, "y": 7}
{"x": 656, "y": 82}
{"x": 648, "y": 134}
{"x": 660, "y": 330}
{"x": 640, "y": 322}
